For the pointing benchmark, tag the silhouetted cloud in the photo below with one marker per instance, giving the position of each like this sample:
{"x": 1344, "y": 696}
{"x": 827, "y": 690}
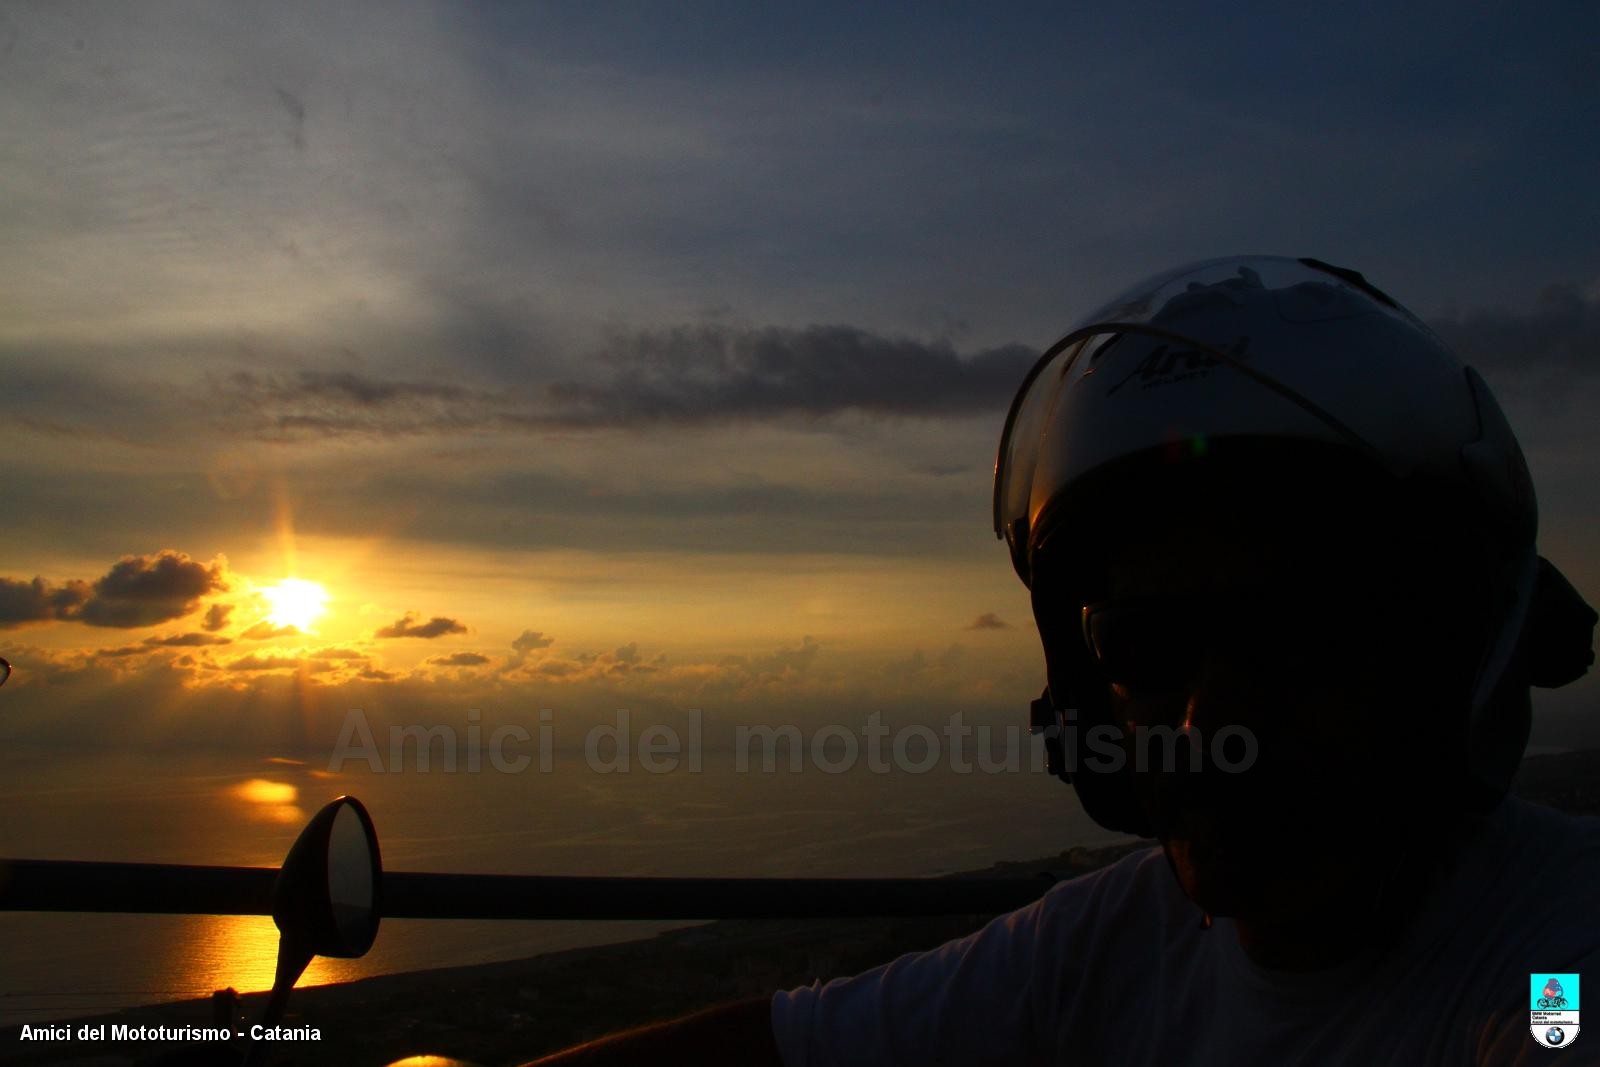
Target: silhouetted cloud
{"x": 338, "y": 653}
{"x": 531, "y": 640}
{"x": 407, "y": 626}
{"x": 217, "y": 617}
{"x": 373, "y": 674}
{"x": 137, "y": 591}
{"x": 265, "y": 630}
{"x": 988, "y": 621}
{"x": 461, "y": 659}
{"x": 189, "y": 640}
{"x": 23, "y": 602}
{"x": 145, "y": 590}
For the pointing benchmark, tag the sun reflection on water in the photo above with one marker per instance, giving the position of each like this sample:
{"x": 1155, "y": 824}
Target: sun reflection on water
{"x": 242, "y": 951}
{"x": 269, "y": 800}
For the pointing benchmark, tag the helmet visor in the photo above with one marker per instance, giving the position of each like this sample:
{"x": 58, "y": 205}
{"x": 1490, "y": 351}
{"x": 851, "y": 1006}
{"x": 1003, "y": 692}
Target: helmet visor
{"x": 1251, "y": 346}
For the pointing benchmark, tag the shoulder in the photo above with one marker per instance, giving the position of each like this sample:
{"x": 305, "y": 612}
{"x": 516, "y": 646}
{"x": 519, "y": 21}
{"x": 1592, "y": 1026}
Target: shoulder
{"x": 1543, "y": 818}
{"x": 1536, "y": 838}
{"x": 1524, "y": 868}
{"x": 1545, "y": 821}
{"x": 1073, "y": 915}
{"x": 1099, "y": 923}
{"x": 1518, "y": 901}
{"x": 993, "y": 996}
{"x": 1140, "y": 882}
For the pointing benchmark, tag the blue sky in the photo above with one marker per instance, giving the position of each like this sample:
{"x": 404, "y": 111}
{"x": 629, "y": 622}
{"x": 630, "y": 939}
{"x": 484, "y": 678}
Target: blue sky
{"x": 346, "y": 269}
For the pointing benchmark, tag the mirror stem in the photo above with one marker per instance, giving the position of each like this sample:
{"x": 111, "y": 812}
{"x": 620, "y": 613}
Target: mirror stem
{"x": 292, "y": 961}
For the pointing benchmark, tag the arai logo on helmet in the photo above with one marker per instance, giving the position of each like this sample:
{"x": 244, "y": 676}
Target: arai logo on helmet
{"x": 1167, "y": 363}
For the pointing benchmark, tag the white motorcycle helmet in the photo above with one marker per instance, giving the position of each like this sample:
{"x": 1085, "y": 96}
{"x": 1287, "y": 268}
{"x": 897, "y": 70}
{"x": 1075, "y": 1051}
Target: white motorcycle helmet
{"x": 1263, "y": 355}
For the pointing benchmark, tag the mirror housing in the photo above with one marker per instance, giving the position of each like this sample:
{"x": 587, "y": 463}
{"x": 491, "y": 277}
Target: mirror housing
{"x": 325, "y": 898}
{"x": 325, "y": 901}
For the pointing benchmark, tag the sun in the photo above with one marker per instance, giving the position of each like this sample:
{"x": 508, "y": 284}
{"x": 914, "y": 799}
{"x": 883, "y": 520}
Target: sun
{"x": 295, "y": 602}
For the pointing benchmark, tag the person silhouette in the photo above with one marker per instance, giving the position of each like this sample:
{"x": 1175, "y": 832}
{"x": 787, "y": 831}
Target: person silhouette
{"x": 1281, "y": 550}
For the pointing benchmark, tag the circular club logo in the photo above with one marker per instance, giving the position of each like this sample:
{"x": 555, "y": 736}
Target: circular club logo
{"x": 1553, "y": 1009}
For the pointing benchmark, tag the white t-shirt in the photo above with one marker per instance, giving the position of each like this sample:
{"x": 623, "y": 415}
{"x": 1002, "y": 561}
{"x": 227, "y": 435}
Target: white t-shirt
{"x": 1113, "y": 968}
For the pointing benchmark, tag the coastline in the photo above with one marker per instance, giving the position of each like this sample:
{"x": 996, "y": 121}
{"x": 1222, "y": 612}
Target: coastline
{"x": 512, "y": 1011}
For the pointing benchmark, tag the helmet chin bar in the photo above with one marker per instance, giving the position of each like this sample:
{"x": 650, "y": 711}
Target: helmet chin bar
{"x": 1106, "y": 795}
{"x": 1044, "y": 719}
{"x": 1559, "y": 647}
{"x": 1553, "y": 647}
{"x": 1499, "y": 715}
{"x": 1065, "y": 720}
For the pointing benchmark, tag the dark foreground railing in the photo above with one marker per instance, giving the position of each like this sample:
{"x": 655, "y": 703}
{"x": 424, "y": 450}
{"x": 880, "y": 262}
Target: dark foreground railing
{"x": 154, "y": 888}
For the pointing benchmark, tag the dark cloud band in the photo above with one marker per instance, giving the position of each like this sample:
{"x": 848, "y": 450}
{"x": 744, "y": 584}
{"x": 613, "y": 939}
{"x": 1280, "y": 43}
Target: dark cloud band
{"x": 137, "y": 591}
{"x": 710, "y": 372}
{"x": 685, "y": 375}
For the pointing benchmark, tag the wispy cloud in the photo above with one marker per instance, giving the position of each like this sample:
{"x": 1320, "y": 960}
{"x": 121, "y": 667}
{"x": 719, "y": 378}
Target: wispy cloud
{"x": 319, "y": 404}
{"x": 531, "y": 640}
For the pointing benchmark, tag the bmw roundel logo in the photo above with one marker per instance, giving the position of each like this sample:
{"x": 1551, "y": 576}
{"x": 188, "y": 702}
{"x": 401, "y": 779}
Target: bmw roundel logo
{"x": 1555, "y": 1035}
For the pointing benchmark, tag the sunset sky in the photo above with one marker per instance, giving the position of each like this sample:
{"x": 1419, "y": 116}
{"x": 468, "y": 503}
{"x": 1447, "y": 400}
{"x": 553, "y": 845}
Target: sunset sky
{"x": 655, "y": 357}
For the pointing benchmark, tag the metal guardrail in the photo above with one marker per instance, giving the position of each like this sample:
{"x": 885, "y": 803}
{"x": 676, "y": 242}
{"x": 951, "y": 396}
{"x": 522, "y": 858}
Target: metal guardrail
{"x": 154, "y": 888}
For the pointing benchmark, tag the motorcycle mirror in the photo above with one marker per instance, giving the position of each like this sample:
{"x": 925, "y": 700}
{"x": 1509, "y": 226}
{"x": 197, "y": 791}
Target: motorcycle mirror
{"x": 325, "y": 899}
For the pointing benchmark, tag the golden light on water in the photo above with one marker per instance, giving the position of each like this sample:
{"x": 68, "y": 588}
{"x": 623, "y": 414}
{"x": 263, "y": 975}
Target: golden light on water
{"x": 295, "y": 602}
{"x": 262, "y": 791}
{"x": 242, "y": 951}
{"x": 266, "y": 799}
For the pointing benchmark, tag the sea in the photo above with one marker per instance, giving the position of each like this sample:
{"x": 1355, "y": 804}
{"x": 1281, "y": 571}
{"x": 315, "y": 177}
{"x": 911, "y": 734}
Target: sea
{"x": 563, "y": 816}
